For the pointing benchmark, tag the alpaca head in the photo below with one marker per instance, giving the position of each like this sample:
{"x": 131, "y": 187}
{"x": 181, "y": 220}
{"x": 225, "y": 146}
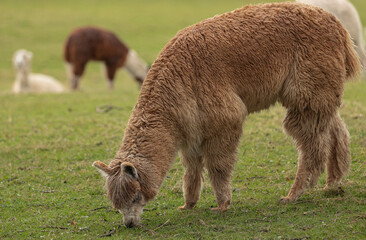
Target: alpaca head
{"x": 124, "y": 190}
{"x": 22, "y": 59}
{"x": 136, "y": 66}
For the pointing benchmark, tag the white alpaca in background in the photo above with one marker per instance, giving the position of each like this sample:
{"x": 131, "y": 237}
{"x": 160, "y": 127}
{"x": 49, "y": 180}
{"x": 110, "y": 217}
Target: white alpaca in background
{"x": 27, "y": 82}
{"x": 348, "y": 15}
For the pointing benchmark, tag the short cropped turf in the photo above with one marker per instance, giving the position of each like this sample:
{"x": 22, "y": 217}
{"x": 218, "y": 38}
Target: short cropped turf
{"x": 49, "y": 190}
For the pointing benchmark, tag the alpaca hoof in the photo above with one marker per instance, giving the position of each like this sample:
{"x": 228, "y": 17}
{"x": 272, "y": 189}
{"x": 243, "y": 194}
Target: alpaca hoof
{"x": 183, "y": 208}
{"x": 285, "y": 200}
{"x": 186, "y": 206}
{"x": 334, "y": 191}
{"x": 333, "y": 186}
{"x": 219, "y": 209}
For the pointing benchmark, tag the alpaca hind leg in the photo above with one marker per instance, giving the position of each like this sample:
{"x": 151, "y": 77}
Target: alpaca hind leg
{"x": 311, "y": 134}
{"x": 192, "y": 179}
{"x": 339, "y": 160}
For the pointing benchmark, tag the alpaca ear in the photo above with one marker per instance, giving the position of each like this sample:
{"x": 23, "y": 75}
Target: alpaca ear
{"x": 105, "y": 170}
{"x": 129, "y": 169}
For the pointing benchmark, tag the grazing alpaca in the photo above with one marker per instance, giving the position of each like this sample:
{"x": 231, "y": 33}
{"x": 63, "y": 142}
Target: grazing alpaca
{"x": 210, "y": 76}
{"x": 27, "y": 82}
{"x": 90, "y": 43}
{"x": 348, "y": 16}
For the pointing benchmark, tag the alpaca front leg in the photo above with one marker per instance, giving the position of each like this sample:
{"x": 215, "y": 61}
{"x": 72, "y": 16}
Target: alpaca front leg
{"x": 74, "y": 84}
{"x": 192, "y": 180}
{"x": 220, "y": 150}
{"x": 77, "y": 71}
{"x": 220, "y": 157}
{"x": 111, "y": 84}
{"x": 219, "y": 168}
{"x": 111, "y": 72}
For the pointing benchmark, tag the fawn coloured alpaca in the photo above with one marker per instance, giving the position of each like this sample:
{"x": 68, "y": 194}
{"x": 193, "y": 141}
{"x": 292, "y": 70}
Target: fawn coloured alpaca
{"x": 91, "y": 43}
{"x": 210, "y": 76}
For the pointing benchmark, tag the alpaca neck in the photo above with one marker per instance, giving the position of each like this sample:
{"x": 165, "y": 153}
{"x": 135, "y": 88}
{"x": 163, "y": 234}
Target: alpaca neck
{"x": 135, "y": 66}
{"x": 151, "y": 147}
{"x": 22, "y": 77}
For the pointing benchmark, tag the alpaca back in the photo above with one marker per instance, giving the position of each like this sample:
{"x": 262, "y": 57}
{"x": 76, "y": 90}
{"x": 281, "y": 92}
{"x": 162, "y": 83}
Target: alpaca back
{"x": 39, "y": 83}
{"x": 91, "y": 43}
{"x": 252, "y": 52}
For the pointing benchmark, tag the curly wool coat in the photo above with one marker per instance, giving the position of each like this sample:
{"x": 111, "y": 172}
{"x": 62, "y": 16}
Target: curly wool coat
{"x": 210, "y": 76}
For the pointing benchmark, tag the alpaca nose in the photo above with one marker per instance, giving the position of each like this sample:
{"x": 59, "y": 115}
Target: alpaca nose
{"x": 129, "y": 224}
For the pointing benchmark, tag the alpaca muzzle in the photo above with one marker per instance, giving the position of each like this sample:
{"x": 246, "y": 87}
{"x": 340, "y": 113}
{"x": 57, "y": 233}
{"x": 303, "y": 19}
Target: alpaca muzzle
{"x": 130, "y": 222}
{"x": 131, "y": 216}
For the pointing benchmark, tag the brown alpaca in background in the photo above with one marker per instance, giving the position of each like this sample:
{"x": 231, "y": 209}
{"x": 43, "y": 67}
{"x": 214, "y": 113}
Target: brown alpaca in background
{"x": 210, "y": 76}
{"x": 90, "y": 43}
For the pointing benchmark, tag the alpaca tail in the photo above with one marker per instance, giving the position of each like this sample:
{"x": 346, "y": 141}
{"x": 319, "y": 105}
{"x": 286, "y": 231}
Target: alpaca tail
{"x": 353, "y": 65}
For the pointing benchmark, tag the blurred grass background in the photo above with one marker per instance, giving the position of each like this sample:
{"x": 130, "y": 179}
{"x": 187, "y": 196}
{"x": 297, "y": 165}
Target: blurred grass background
{"x": 48, "y": 188}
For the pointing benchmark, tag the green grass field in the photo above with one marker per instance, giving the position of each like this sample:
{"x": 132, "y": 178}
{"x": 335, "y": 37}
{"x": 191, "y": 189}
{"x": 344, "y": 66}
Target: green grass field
{"x": 48, "y": 189}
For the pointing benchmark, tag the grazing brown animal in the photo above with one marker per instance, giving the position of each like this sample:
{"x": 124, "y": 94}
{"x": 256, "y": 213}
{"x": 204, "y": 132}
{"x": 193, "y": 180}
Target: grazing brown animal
{"x": 91, "y": 43}
{"x": 210, "y": 76}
